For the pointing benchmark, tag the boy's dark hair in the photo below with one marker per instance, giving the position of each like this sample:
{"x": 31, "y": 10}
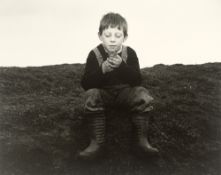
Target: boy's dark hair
{"x": 113, "y": 20}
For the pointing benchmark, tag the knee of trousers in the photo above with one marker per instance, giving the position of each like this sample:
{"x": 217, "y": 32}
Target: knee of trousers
{"x": 141, "y": 100}
{"x": 93, "y": 101}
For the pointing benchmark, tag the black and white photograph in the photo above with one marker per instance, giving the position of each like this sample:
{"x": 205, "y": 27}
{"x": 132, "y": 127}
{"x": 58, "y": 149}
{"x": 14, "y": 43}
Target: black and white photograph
{"x": 110, "y": 87}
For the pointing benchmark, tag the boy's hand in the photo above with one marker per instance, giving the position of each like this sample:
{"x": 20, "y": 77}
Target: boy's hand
{"x": 115, "y": 61}
{"x": 106, "y": 67}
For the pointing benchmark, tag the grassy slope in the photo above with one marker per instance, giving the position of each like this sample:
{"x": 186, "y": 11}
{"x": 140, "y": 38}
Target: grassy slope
{"x": 41, "y": 126}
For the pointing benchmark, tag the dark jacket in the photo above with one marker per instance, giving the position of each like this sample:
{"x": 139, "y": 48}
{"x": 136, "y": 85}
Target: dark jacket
{"x": 126, "y": 73}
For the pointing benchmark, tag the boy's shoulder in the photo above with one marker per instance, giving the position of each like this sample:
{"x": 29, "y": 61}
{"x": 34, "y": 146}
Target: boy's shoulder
{"x": 130, "y": 49}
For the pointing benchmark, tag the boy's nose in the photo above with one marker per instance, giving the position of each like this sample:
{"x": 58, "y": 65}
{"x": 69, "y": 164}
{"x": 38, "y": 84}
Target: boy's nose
{"x": 113, "y": 39}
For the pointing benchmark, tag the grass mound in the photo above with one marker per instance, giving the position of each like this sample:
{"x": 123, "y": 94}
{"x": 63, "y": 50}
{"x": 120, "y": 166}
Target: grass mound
{"x": 42, "y": 129}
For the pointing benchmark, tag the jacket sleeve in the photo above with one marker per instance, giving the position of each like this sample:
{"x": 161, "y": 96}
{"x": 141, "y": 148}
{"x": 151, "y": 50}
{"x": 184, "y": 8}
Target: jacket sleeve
{"x": 130, "y": 72}
{"x": 92, "y": 76}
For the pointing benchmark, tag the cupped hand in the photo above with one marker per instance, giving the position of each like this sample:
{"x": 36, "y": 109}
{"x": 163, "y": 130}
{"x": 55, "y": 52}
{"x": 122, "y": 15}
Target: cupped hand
{"x": 106, "y": 67}
{"x": 115, "y": 61}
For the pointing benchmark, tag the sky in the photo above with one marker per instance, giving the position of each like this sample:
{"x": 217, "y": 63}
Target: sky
{"x": 50, "y": 32}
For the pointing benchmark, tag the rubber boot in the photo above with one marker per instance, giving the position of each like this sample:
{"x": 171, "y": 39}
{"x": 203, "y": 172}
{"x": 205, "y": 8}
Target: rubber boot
{"x": 141, "y": 127}
{"x": 97, "y": 131}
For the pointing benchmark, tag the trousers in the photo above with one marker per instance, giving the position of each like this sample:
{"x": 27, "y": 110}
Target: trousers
{"x": 133, "y": 99}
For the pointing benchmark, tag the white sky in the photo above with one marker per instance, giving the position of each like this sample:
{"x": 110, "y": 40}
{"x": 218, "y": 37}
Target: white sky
{"x": 48, "y": 32}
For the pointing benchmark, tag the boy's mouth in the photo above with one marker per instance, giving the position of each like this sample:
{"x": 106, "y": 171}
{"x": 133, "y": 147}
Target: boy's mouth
{"x": 113, "y": 47}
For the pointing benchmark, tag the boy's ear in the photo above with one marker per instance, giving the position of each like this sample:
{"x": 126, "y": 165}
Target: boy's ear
{"x": 125, "y": 38}
{"x": 99, "y": 36}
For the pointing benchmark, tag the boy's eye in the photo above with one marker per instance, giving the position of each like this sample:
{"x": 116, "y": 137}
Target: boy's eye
{"x": 107, "y": 35}
{"x": 118, "y": 35}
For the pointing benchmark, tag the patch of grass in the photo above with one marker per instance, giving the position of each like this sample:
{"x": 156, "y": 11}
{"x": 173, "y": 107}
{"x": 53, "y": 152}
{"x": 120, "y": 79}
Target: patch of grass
{"x": 42, "y": 128}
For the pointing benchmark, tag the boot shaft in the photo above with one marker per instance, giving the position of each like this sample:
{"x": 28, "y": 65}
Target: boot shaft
{"x": 96, "y": 123}
{"x": 141, "y": 125}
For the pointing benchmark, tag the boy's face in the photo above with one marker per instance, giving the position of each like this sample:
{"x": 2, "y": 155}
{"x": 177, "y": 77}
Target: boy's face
{"x": 112, "y": 38}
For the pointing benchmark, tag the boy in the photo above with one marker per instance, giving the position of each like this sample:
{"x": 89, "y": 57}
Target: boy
{"x": 112, "y": 78}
